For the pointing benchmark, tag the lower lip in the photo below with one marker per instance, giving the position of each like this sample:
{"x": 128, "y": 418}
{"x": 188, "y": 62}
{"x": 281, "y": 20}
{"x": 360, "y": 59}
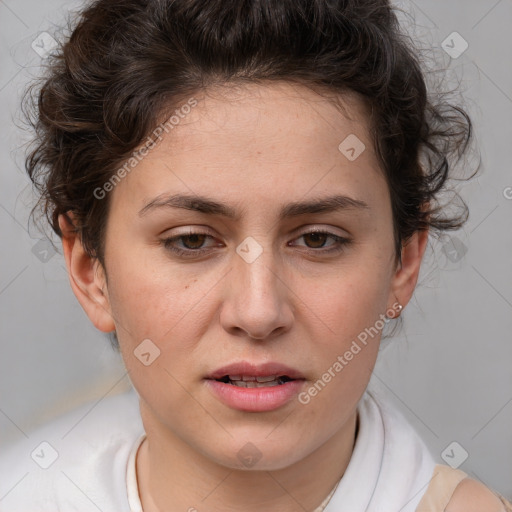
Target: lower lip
{"x": 255, "y": 399}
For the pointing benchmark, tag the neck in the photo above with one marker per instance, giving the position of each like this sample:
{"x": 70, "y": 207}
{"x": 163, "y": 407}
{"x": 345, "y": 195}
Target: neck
{"x": 174, "y": 477}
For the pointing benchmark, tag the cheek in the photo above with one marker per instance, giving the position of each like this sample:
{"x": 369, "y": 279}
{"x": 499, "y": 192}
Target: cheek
{"x": 350, "y": 305}
{"x": 156, "y": 301}
{"x": 347, "y": 341}
{"x": 161, "y": 309}
{"x": 351, "y": 299}
{"x": 149, "y": 297}
{"x": 346, "y": 345}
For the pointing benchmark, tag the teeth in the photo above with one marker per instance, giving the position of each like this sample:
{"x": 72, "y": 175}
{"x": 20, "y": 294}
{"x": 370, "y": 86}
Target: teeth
{"x": 250, "y": 378}
{"x": 267, "y": 379}
{"x": 249, "y": 381}
{"x": 254, "y": 384}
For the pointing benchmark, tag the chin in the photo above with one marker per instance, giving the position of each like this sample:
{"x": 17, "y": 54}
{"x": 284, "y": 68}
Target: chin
{"x": 258, "y": 454}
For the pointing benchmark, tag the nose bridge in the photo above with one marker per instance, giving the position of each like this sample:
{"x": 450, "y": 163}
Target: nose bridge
{"x": 256, "y": 270}
{"x": 256, "y": 298}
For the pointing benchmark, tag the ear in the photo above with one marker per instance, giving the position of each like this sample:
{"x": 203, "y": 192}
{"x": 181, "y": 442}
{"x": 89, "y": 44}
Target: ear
{"x": 86, "y": 276}
{"x": 406, "y": 276}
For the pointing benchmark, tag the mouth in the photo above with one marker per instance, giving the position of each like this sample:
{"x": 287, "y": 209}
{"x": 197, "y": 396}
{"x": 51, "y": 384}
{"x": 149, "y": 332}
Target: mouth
{"x": 251, "y": 375}
{"x": 250, "y": 381}
{"x": 255, "y": 387}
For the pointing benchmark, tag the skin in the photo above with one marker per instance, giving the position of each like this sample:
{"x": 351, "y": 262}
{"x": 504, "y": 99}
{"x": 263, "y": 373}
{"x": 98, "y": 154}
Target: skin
{"x": 254, "y": 148}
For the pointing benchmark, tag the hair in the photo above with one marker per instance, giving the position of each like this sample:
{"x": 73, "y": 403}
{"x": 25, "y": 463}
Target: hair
{"x": 128, "y": 62}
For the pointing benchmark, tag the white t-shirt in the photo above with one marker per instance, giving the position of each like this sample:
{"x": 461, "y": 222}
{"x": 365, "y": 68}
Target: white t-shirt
{"x": 85, "y": 462}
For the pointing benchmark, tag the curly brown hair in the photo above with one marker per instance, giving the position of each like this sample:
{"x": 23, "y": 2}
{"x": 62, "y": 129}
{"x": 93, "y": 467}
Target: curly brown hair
{"x": 127, "y": 62}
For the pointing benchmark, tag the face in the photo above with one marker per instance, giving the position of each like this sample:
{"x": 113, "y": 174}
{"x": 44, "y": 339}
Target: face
{"x": 247, "y": 244}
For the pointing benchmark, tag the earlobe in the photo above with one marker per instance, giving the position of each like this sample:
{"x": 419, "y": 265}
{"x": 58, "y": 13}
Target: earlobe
{"x": 86, "y": 276}
{"x": 406, "y": 275}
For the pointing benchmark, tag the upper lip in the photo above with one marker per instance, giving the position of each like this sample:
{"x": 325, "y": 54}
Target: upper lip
{"x": 245, "y": 368}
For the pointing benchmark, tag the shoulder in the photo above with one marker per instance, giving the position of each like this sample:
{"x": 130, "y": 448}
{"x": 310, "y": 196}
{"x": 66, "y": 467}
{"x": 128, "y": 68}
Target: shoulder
{"x": 472, "y": 496}
{"x": 74, "y": 459}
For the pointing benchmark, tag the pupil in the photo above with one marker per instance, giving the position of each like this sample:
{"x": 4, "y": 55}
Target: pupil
{"x": 194, "y": 239}
{"x": 317, "y": 237}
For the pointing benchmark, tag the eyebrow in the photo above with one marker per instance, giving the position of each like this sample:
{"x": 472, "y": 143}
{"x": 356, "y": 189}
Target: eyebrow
{"x": 210, "y": 207}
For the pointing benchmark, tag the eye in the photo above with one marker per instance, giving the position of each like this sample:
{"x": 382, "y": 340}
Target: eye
{"x": 317, "y": 239}
{"x": 192, "y": 244}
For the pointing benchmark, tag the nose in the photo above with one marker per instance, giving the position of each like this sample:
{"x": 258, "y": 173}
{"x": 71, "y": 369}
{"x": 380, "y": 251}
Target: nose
{"x": 257, "y": 298}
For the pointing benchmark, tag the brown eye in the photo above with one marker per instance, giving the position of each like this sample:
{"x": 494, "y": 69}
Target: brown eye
{"x": 188, "y": 245}
{"x": 195, "y": 241}
{"x": 316, "y": 240}
{"x": 322, "y": 242}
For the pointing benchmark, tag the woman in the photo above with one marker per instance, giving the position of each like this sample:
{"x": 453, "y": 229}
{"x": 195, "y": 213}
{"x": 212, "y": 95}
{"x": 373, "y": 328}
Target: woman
{"x": 244, "y": 192}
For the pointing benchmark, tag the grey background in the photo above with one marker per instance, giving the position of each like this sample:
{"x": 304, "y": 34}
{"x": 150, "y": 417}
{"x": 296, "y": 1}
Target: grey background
{"x": 449, "y": 369}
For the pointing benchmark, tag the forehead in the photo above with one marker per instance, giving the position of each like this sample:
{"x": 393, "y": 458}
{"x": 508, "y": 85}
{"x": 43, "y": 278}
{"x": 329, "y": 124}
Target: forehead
{"x": 247, "y": 116}
{"x": 259, "y": 140}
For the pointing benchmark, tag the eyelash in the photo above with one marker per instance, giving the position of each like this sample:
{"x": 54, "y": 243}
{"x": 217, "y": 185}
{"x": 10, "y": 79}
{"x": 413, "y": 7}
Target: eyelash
{"x": 340, "y": 243}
